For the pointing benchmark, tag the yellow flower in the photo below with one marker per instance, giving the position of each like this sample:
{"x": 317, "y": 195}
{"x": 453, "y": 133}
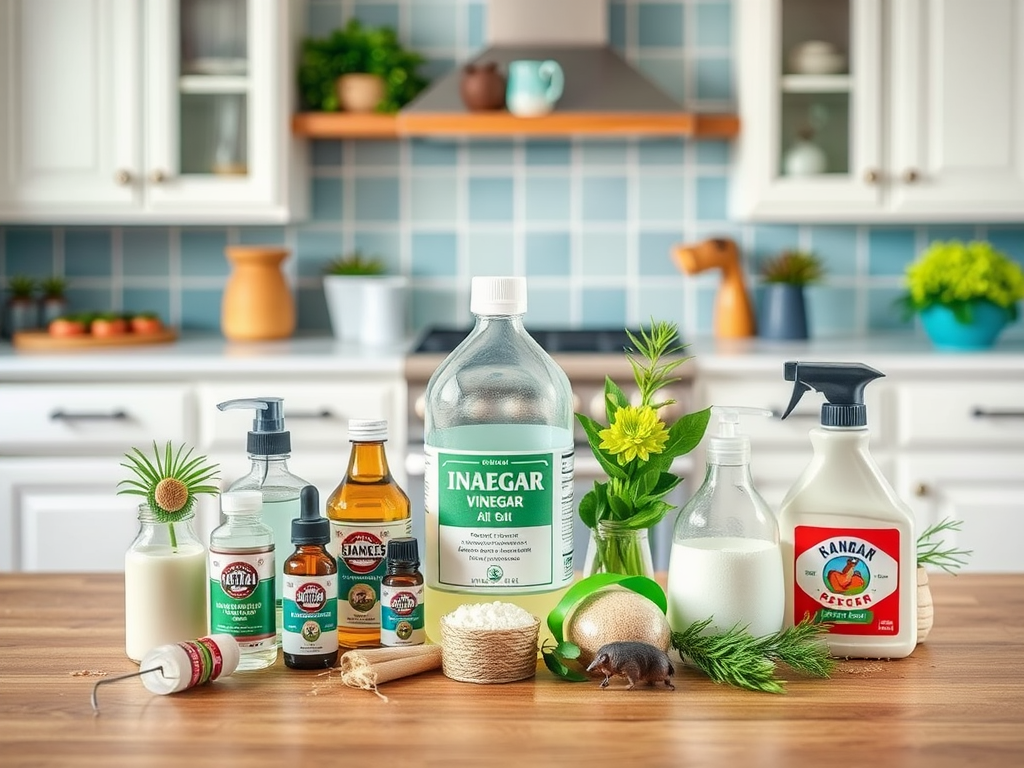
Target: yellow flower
{"x": 636, "y": 432}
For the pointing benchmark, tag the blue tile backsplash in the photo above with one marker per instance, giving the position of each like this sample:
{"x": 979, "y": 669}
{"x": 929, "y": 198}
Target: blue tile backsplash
{"x": 591, "y": 222}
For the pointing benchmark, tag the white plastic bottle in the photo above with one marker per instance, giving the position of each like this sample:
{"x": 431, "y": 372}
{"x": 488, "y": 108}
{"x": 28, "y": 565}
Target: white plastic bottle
{"x": 499, "y": 466}
{"x": 242, "y": 576}
{"x": 726, "y": 560}
{"x": 179, "y": 666}
{"x": 848, "y": 541}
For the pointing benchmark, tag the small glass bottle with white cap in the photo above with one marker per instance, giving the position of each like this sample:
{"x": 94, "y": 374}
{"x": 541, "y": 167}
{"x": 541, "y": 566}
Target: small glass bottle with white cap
{"x": 242, "y": 576}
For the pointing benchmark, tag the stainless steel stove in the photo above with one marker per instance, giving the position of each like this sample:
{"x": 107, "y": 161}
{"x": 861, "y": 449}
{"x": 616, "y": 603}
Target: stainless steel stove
{"x": 587, "y": 356}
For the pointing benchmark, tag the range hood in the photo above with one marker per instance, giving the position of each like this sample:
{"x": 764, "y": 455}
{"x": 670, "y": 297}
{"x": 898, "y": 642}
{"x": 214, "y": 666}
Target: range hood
{"x": 602, "y": 89}
{"x": 603, "y": 96}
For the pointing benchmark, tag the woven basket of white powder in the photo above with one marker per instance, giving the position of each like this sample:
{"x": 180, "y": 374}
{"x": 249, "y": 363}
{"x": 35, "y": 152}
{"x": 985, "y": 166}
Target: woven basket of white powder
{"x": 489, "y": 643}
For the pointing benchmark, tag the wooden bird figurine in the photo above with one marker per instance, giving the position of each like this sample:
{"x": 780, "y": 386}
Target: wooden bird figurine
{"x": 734, "y": 313}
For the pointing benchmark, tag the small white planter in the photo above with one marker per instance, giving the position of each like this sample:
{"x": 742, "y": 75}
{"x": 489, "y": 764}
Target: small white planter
{"x": 370, "y": 311}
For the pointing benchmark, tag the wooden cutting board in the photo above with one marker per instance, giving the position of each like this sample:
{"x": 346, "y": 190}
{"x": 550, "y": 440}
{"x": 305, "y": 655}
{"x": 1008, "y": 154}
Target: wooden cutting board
{"x": 42, "y": 341}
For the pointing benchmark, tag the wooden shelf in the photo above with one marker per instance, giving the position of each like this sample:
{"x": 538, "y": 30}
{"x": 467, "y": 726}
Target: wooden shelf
{"x": 816, "y": 83}
{"x": 339, "y": 125}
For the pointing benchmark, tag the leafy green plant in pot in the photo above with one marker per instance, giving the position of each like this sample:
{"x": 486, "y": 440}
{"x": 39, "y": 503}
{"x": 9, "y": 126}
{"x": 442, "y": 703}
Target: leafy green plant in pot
{"x": 965, "y": 293}
{"x": 53, "y": 303}
{"x": 366, "y": 306}
{"x": 21, "y": 313}
{"x": 783, "y": 308}
{"x": 359, "y": 69}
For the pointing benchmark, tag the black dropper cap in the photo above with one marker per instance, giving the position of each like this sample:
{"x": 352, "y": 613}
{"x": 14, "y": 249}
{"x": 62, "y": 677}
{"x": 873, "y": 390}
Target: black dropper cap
{"x": 403, "y": 553}
{"x": 310, "y": 527}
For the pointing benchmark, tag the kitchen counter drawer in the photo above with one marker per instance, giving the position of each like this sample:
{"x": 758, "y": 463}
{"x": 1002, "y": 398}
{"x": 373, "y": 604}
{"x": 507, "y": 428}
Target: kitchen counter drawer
{"x": 987, "y": 414}
{"x": 316, "y": 414}
{"x": 91, "y": 418}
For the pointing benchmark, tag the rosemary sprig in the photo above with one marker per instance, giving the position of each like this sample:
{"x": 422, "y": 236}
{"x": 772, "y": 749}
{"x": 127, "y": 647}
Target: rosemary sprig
{"x": 930, "y": 551}
{"x": 738, "y": 658}
{"x": 652, "y": 374}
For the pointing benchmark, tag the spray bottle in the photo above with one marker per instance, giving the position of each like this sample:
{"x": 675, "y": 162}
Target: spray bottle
{"x": 847, "y": 539}
{"x": 269, "y": 445}
{"x": 726, "y": 562}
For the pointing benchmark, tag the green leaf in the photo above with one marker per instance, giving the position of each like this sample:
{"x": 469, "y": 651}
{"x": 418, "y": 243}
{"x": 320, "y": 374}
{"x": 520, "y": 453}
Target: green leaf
{"x": 589, "y": 506}
{"x": 687, "y": 432}
{"x": 614, "y": 398}
{"x": 621, "y": 509}
{"x": 554, "y": 660}
{"x": 609, "y": 465}
{"x": 568, "y": 650}
{"x": 649, "y": 515}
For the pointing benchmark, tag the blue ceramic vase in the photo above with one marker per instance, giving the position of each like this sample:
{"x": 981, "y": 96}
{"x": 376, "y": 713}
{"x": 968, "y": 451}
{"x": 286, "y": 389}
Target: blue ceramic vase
{"x": 946, "y": 332}
{"x": 783, "y": 312}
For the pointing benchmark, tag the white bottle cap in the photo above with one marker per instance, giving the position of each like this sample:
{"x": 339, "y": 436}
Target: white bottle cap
{"x": 367, "y": 430}
{"x": 498, "y": 296}
{"x": 729, "y": 447}
{"x": 237, "y": 502}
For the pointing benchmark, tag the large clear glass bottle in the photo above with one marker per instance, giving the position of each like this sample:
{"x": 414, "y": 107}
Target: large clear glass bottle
{"x": 242, "y": 580}
{"x": 164, "y": 584}
{"x": 269, "y": 446}
{"x": 499, "y": 465}
{"x": 367, "y": 510}
{"x": 726, "y": 560}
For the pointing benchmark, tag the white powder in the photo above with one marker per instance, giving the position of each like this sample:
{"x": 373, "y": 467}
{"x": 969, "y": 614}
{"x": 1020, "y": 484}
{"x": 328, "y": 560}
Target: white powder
{"x": 496, "y": 615}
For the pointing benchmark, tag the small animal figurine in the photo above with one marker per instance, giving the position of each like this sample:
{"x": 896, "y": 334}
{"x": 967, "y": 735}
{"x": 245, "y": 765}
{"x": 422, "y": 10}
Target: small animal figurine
{"x": 734, "y": 312}
{"x": 637, "y": 662}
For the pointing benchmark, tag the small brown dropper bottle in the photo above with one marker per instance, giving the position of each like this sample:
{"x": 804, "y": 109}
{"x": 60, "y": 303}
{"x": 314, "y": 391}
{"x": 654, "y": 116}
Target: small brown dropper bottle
{"x": 310, "y": 594}
{"x": 401, "y": 595}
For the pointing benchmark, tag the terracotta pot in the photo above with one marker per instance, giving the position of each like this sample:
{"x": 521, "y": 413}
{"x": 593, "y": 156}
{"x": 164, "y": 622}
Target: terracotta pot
{"x": 482, "y": 87}
{"x": 360, "y": 92}
{"x": 258, "y": 303}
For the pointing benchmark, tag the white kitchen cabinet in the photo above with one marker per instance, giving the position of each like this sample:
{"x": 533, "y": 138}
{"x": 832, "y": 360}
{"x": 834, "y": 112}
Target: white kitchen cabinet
{"x": 123, "y": 111}
{"x": 62, "y": 442}
{"x": 916, "y": 125}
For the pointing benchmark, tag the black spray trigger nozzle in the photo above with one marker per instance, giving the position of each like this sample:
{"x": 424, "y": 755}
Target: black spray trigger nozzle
{"x": 842, "y": 384}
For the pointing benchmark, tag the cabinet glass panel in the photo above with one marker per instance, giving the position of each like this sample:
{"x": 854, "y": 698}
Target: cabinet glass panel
{"x": 817, "y": 80}
{"x": 213, "y": 87}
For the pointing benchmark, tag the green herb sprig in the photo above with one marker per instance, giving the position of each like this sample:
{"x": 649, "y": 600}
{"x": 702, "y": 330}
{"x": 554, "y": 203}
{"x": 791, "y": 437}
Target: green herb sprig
{"x": 738, "y": 658}
{"x": 931, "y": 552}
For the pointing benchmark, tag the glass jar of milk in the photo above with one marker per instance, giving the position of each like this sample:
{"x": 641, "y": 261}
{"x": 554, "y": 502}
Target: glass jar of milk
{"x": 164, "y": 584}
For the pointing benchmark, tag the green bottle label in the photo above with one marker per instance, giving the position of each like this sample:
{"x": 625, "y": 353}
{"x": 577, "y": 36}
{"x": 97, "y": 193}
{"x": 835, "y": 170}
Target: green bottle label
{"x": 242, "y": 597}
{"x": 500, "y": 520}
{"x": 310, "y": 615}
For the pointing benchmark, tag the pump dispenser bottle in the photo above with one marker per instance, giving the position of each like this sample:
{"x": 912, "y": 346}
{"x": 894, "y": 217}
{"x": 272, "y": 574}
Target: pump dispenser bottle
{"x": 726, "y": 562}
{"x": 269, "y": 446}
{"x": 848, "y": 541}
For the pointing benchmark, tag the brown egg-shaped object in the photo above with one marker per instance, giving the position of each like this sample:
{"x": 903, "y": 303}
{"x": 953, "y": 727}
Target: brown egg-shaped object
{"x": 612, "y": 615}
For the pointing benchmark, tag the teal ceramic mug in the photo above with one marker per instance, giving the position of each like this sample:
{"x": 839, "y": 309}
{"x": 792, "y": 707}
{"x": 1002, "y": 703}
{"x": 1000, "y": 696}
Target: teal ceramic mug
{"x": 533, "y": 87}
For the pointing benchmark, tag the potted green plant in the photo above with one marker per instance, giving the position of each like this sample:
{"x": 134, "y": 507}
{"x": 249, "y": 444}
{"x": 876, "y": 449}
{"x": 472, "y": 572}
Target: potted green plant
{"x": 359, "y": 69}
{"x": 21, "y": 313}
{"x": 366, "y": 306}
{"x": 53, "y": 303}
{"x": 783, "y": 307}
{"x": 965, "y": 293}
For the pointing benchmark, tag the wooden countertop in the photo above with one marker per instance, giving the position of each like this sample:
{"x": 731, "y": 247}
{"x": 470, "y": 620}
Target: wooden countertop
{"x": 958, "y": 700}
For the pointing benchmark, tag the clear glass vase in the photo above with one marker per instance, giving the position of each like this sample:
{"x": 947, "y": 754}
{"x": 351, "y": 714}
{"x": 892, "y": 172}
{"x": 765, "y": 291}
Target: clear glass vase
{"x": 164, "y": 584}
{"x": 614, "y": 548}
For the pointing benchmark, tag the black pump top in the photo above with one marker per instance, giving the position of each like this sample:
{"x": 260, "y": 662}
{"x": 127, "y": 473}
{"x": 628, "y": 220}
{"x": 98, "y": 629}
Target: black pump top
{"x": 842, "y": 384}
{"x": 268, "y": 436}
{"x": 310, "y": 527}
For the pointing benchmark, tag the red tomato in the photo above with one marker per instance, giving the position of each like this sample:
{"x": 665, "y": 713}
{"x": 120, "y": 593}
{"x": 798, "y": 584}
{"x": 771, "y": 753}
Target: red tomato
{"x": 146, "y": 324}
{"x": 108, "y": 326}
{"x": 66, "y": 326}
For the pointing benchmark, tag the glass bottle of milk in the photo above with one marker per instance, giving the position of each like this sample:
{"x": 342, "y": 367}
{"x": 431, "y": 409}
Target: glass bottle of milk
{"x": 726, "y": 559}
{"x": 499, "y": 465}
{"x": 164, "y": 584}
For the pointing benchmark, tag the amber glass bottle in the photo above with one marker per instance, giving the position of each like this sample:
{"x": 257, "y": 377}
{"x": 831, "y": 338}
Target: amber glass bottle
{"x": 367, "y": 510}
{"x": 310, "y": 604}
